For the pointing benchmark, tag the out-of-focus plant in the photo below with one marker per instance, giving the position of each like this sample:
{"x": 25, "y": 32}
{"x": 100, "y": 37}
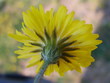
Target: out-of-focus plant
{"x": 5, "y": 24}
{"x": 2, "y": 4}
{"x": 7, "y": 60}
{"x": 7, "y": 45}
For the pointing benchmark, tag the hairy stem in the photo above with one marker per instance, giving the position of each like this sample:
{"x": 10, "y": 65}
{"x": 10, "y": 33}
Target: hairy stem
{"x": 41, "y": 72}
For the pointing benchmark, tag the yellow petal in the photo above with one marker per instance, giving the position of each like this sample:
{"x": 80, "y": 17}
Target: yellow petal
{"x": 49, "y": 70}
{"x": 20, "y": 38}
{"x": 34, "y": 61}
{"x": 60, "y": 16}
{"x": 27, "y": 55}
{"x": 66, "y": 22}
{"x": 39, "y": 65}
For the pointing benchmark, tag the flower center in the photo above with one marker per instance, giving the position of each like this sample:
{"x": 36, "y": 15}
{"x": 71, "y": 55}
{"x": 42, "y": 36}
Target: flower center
{"x": 53, "y": 48}
{"x": 51, "y": 53}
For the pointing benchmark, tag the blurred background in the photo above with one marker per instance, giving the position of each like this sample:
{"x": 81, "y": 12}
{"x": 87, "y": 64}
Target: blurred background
{"x": 96, "y": 12}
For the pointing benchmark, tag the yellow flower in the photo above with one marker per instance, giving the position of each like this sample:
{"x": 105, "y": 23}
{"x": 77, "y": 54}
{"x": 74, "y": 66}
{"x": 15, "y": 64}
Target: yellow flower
{"x": 56, "y": 38}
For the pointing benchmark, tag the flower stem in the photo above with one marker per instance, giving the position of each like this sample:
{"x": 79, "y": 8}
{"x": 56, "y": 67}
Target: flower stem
{"x": 42, "y": 70}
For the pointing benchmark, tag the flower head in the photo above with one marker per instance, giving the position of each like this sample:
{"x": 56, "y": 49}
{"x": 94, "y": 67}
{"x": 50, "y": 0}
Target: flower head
{"x": 57, "y": 38}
